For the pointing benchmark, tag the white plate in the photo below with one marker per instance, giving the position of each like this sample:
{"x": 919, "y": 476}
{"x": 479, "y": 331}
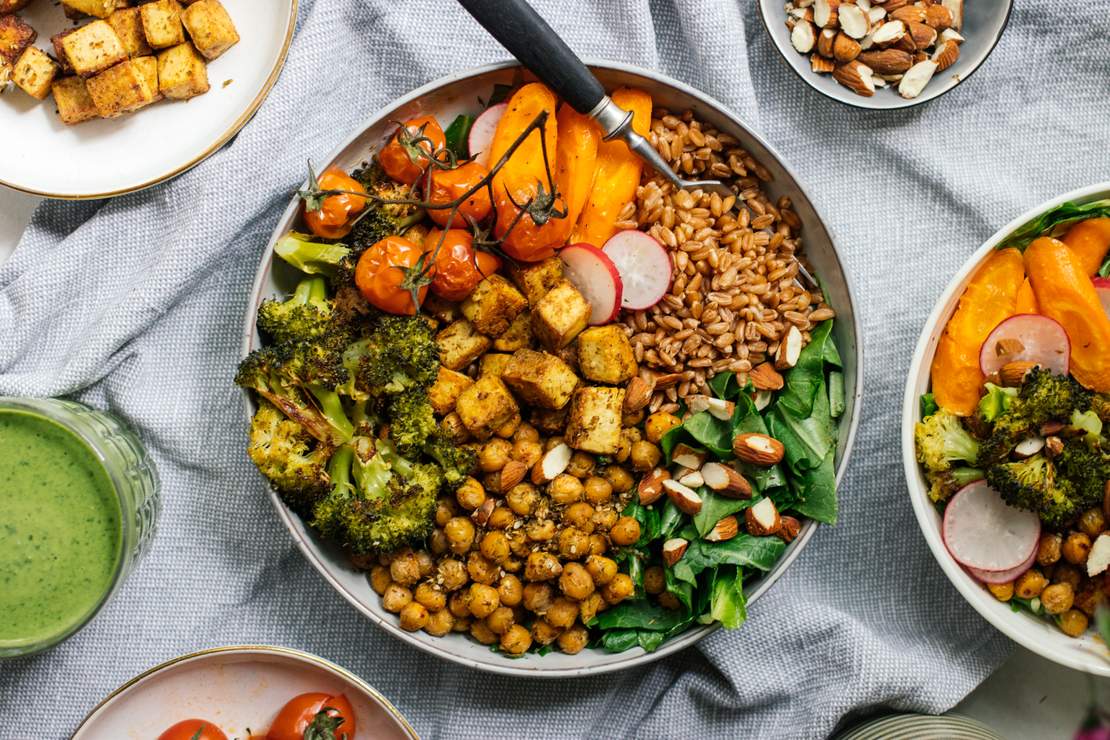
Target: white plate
{"x": 101, "y": 158}
{"x": 235, "y": 688}
{"x": 1086, "y": 653}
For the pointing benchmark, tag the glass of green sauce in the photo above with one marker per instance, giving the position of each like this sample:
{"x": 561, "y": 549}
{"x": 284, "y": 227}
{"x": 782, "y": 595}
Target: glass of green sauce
{"x": 78, "y": 505}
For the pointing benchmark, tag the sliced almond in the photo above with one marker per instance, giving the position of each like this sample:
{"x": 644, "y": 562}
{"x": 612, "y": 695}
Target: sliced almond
{"x": 697, "y": 402}
{"x": 790, "y": 348}
{"x": 481, "y": 515}
{"x": 726, "y": 480}
{"x": 892, "y": 5}
{"x": 637, "y": 394}
{"x": 552, "y": 464}
{"x": 686, "y": 456}
{"x": 512, "y": 474}
{"x": 721, "y": 409}
{"x": 687, "y": 500}
{"x": 1008, "y": 346}
{"x": 907, "y": 14}
{"x": 945, "y": 56}
{"x": 758, "y": 449}
{"x": 923, "y": 36}
{"x": 888, "y": 34}
{"x": 854, "y": 21}
{"x": 845, "y": 48}
{"x": 1053, "y": 447}
{"x": 879, "y": 82}
{"x": 825, "y": 13}
{"x": 938, "y": 16}
{"x": 762, "y": 518}
{"x": 821, "y": 65}
{"x": 666, "y": 380}
{"x": 674, "y": 549}
{"x": 916, "y": 78}
{"x": 650, "y": 487}
{"x": 764, "y": 376}
{"x": 1028, "y": 447}
{"x": 956, "y": 8}
{"x": 803, "y": 37}
{"x": 864, "y": 4}
{"x": 876, "y": 15}
{"x": 789, "y": 529}
{"x": 762, "y": 399}
{"x": 825, "y": 41}
{"x": 949, "y": 34}
{"x": 692, "y": 479}
{"x": 887, "y": 61}
{"x": 1012, "y": 374}
{"x": 725, "y": 529}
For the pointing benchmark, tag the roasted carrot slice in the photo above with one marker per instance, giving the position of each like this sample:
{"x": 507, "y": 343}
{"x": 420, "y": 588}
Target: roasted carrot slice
{"x": 1090, "y": 240}
{"x": 1026, "y": 299}
{"x": 579, "y": 138}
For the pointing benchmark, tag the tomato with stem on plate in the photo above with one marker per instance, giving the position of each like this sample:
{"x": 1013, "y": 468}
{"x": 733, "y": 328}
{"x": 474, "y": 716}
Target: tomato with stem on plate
{"x": 388, "y": 273}
{"x": 406, "y": 156}
{"x": 446, "y": 186}
{"x": 458, "y": 266}
{"x": 315, "y": 712}
{"x": 193, "y": 729}
{"x": 332, "y": 220}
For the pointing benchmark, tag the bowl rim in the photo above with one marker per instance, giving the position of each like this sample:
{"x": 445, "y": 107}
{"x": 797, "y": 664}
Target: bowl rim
{"x": 1013, "y": 625}
{"x": 860, "y": 102}
{"x": 692, "y": 635}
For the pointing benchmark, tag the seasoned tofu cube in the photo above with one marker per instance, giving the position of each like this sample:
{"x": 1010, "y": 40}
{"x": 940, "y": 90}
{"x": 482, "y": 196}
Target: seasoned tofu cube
{"x": 92, "y": 48}
{"x": 34, "y": 72}
{"x": 605, "y": 354}
{"x": 550, "y": 422}
{"x": 493, "y": 305}
{"x": 486, "y": 406}
{"x": 5, "y": 71}
{"x": 162, "y": 24}
{"x": 210, "y": 28}
{"x": 128, "y": 25}
{"x": 73, "y": 101}
{"x": 460, "y": 345}
{"x": 121, "y": 89}
{"x": 10, "y": 6}
{"x": 15, "y": 36}
{"x": 445, "y": 391}
{"x": 149, "y": 68}
{"x": 60, "y": 52}
{"x": 493, "y": 363}
{"x": 560, "y": 315}
{"x": 182, "y": 73}
{"x": 95, "y": 8}
{"x": 536, "y": 278}
{"x": 517, "y": 336}
{"x": 540, "y": 379}
{"x": 594, "y": 421}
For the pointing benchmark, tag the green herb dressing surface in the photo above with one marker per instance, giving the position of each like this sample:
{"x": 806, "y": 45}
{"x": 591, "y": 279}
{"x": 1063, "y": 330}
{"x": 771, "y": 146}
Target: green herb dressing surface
{"x": 60, "y": 529}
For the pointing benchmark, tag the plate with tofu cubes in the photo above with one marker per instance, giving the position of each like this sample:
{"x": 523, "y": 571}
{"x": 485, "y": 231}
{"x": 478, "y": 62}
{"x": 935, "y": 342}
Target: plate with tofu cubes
{"x": 110, "y": 96}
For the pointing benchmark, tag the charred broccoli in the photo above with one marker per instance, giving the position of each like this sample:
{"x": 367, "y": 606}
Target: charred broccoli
{"x": 293, "y": 461}
{"x": 1087, "y": 467}
{"x": 1035, "y": 484}
{"x": 943, "y": 485}
{"x": 314, "y": 258}
{"x": 381, "y": 219}
{"x": 1044, "y": 396}
{"x": 304, "y": 315}
{"x": 941, "y": 440}
{"x": 456, "y": 460}
{"x": 401, "y": 354}
{"x": 411, "y": 420}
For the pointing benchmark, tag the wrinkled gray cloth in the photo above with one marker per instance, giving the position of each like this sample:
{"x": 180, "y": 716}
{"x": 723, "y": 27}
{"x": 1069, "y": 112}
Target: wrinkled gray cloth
{"x": 136, "y": 305}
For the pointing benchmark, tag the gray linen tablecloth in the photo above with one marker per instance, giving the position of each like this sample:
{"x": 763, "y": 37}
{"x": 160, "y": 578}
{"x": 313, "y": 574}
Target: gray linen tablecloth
{"x": 135, "y": 305}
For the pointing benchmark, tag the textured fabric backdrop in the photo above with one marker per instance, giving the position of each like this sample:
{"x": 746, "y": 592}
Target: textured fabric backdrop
{"x": 135, "y": 305}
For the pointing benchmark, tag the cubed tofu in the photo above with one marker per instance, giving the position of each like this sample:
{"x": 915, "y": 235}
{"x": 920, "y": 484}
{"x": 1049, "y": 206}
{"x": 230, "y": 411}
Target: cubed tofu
{"x": 95, "y": 8}
{"x": 536, "y": 278}
{"x": 445, "y": 391}
{"x": 149, "y": 67}
{"x": 560, "y": 315}
{"x": 550, "y": 422}
{"x": 486, "y": 406}
{"x": 93, "y": 48}
{"x": 594, "y": 421}
{"x": 493, "y": 305}
{"x": 122, "y": 89}
{"x": 460, "y": 345}
{"x": 128, "y": 25}
{"x": 71, "y": 97}
{"x": 494, "y": 363}
{"x": 182, "y": 73}
{"x": 5, "y": 72}
{"x": 11, "y": 6}
{"x": 517, "y": 336}
{"x": 15, "y": 36}
{"x": 60, "y": 52}
{"x": 210, "y": 28}
{"x": 34, "y": 72}
{"x": 540, "y": 379}
{"x": 162, "y": 24}
{"x": 605, "y": 354}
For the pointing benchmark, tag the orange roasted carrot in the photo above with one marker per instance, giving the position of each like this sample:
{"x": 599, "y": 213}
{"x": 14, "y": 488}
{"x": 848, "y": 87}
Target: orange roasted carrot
{"x": 1065, "y": 293}
{"x": 990, "y": 298}
{"x": 618, "y": 174}
{"x": 579, "y": 138}
{"x": 1090, "y": 240}
{"x": 1026, "y": 299}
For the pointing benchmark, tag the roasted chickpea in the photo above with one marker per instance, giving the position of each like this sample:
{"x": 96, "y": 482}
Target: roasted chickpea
{"x": 508, "y": 429}
{"x": 624, "y": 449}
{"x": 437, "y": 541}
{"x": 495, "y": 546}
{"x": 562, "y": 612}
{"x": 526, "y": 433}
{"x": 519, "y": 542}
{"x": 460, "y": 534}
{"x": 440, "y": 623}
{"x": 1048, "y": 549}
{"x": 445, "y": 509}
{"x": 404, "y": 569}
{"x": 542, "y": 566}
{"x": 604, "y": 519}
{"x": 590, "y": 606}
{"x": 581, "y": 516}
{"x": 625, "y": 532}
{"x": 379, "y": 579}
{"x": 395, "y": 598}
{"x": 655, "y": 582}
{"x": 481, "y": 569}
{"x": 544, "y": 633}
{"x": 462, "y": 624}
{"x": 482, "y": 600}
{"x": 1030, "y": 584}
{"x": 537, "y": 597}
{"x": 500, "y": 620}
{"x": 470, "y": 494}
{"x": 1057, "y": 598}
{"x": 1092, "y": 522}
{"x": 1067, "y": 573}
{"x": 565, "y": 489}
{"x": 551, "y": 443}
{"x": 492, "y": 481}
{"x": 581, "y": 464}
{"x": 634, "y": 419}
{"x": 458, "y": 604}
{"x": 454, "y": 428}
{"x": 1073, "y": 623}
{"x": 522, "y": 499}
{"x": 1076, "y": 548}
{"x": 516, "y": 640}
{"x": 413, "y": 617}
{"x": 480, "y": 632}
{"x": 527, "y": 451}
{"x": 1088, "y": 598}
{"x": 597, "y": 490}
{"x": 574, "y": 544}
{"x": 576, "y": 581}
{"x": 512, "y": 565}
{"x": 599, "y": 544}
{"x": 601, "y": 569}
{"x": 430, "y": 597}
{"x": 574, "y": 640}
{"x": 659, "y": 424}
{"x": 1001, "y": 591}
{"x": 510, "y": 590}
{"x": 494, "y": 454}
{"x": 645, "y": 456}
{"x": 619, "y": 478}
{"x": 452, "y": 574}
{"x": 501, "y": 518}
{"x": 541, "y": 531}
{"x": 667, "y": 600}
{"x": 426, "y": 562}
{"x": 618, "y": 589}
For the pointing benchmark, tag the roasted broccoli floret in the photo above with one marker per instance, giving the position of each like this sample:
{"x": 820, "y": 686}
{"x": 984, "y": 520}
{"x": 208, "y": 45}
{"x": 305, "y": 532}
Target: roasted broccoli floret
{"x": 1036, "y": 485}
{"x": 456, "y": 460}
{"x": 941, "y": 440}
{"x": 304, "y": 315}
{"x": 315, "y": 258}
{"x": 943, "y": 485}
{"x": 411, "y": 420}
{"x": 1087, "y": 467}
{"x": 381, "y": 219}
{"x": 1044, "y": 396}
{"x": 995, "y": 402}
{"x": 399, "y": 355}
{"x": 292, "y": 460}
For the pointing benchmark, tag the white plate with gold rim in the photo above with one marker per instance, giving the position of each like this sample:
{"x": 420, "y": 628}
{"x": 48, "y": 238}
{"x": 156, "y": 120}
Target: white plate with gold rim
{"x": 102, "y": 158}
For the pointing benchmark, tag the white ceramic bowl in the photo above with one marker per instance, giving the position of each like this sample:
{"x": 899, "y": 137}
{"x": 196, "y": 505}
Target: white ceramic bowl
{"x": 446, "y": 98}
{"x": 1087, "y": 653}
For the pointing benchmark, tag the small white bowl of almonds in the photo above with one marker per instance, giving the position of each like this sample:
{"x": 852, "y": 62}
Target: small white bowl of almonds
{"x": 884, "y": 54}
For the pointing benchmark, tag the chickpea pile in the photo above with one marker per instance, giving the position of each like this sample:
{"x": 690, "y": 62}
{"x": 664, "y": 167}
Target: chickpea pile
{"x": 528, "y": 566}
{"x": 1059, "y": 577}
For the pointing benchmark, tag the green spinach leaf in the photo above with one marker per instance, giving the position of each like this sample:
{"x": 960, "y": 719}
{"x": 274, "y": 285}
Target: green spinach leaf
{"x": 456, "y": 136}
{"x": 710, "y": 432}
{"x": 639, "y": 615}
{"x": 727, "y": 603}
{"x": 715, "y": 507}
{"x": 1056, "y": 221}
{"x": 807, "y": 377}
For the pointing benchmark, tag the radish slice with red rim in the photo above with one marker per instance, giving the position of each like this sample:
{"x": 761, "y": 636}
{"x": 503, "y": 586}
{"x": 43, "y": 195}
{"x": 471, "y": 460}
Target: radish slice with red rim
{"x": 1004, "y": 576}
{"x": 1027, "y": 337}
{"x": 1102, "y": 288}
{"x": 597, "y": 279}
{"x": 481, "y": 132}
{"x": 644, "y": 266}
{"x": 981, "y": 531}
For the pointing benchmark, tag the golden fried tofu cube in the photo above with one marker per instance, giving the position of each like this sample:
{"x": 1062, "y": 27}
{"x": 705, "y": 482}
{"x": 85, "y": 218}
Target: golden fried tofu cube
{"x": 550, "y": 422}
{"x": 182, "y": 73}
{"x": 60, "y": 52}
{"x": 460, "y": 345}
{"x": 95, "y": 8}
{"x": 210, "y": 27}
{"x": 445, "y": 391}
{"x": 540, "y": 379}
{"x": 486, "y": 406}
{"x": 122, "y": 89}
{"x": 162, "y": 23}
{"x": 149, "y": 68}
{"x": 75, "y": 105}
{"x": 594, "y": 421}
{"x": 517, "y": 336}
{"x": 5, "y": 71}
{"x": 605, "y": 354}
{"x": 15, "y": 36}
{"x": 560, "y": 315}
{"x": 493, "y": 305}
{"x": 10, "y": 6}
{"x": 536, "y": 278}
{"x": 34, "y": 72}
{"x": 493, "y": 363}
{"x": 128, "y": 25}
{"x": 92, "y": 48}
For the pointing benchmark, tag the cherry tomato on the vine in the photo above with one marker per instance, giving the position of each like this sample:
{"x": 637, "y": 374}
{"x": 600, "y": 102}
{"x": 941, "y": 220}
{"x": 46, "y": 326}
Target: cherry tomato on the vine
{"x": 450, "y": 185}
{"x": 456, "y": 273}
{"x": 405, "y": 158}
{"x": 193, "y": 729}
{"x": 332, "y": 219}
{"x": 300, "y": 712}
{"x": 380, "y": 272}
{"x": 523, "y": 239}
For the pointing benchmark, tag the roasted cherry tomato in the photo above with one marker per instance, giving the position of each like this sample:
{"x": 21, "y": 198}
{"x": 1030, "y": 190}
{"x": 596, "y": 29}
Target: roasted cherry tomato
{"x": 332, "y": 219}
{"x": 450, "y": 185}
{"x": 378, "y": 274}
{"x": 405, "y": 157}
{"x": 300, "y": 712}
{"x": 456, "y": 273}
{"x": 193, "y": 729}
{"x": 523, "y": 239}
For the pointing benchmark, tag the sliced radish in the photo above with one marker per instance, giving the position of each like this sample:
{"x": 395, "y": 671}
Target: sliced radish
{"x": 644, "y": 266}
{"x": 1004, "y": 576}
{"x": 482, "y": 130}
{"x": 596, "y": 278}
{"x": 1102, "y": 287}
{"x": 981, "y": 531}
{"x": 1027, "y": 337}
